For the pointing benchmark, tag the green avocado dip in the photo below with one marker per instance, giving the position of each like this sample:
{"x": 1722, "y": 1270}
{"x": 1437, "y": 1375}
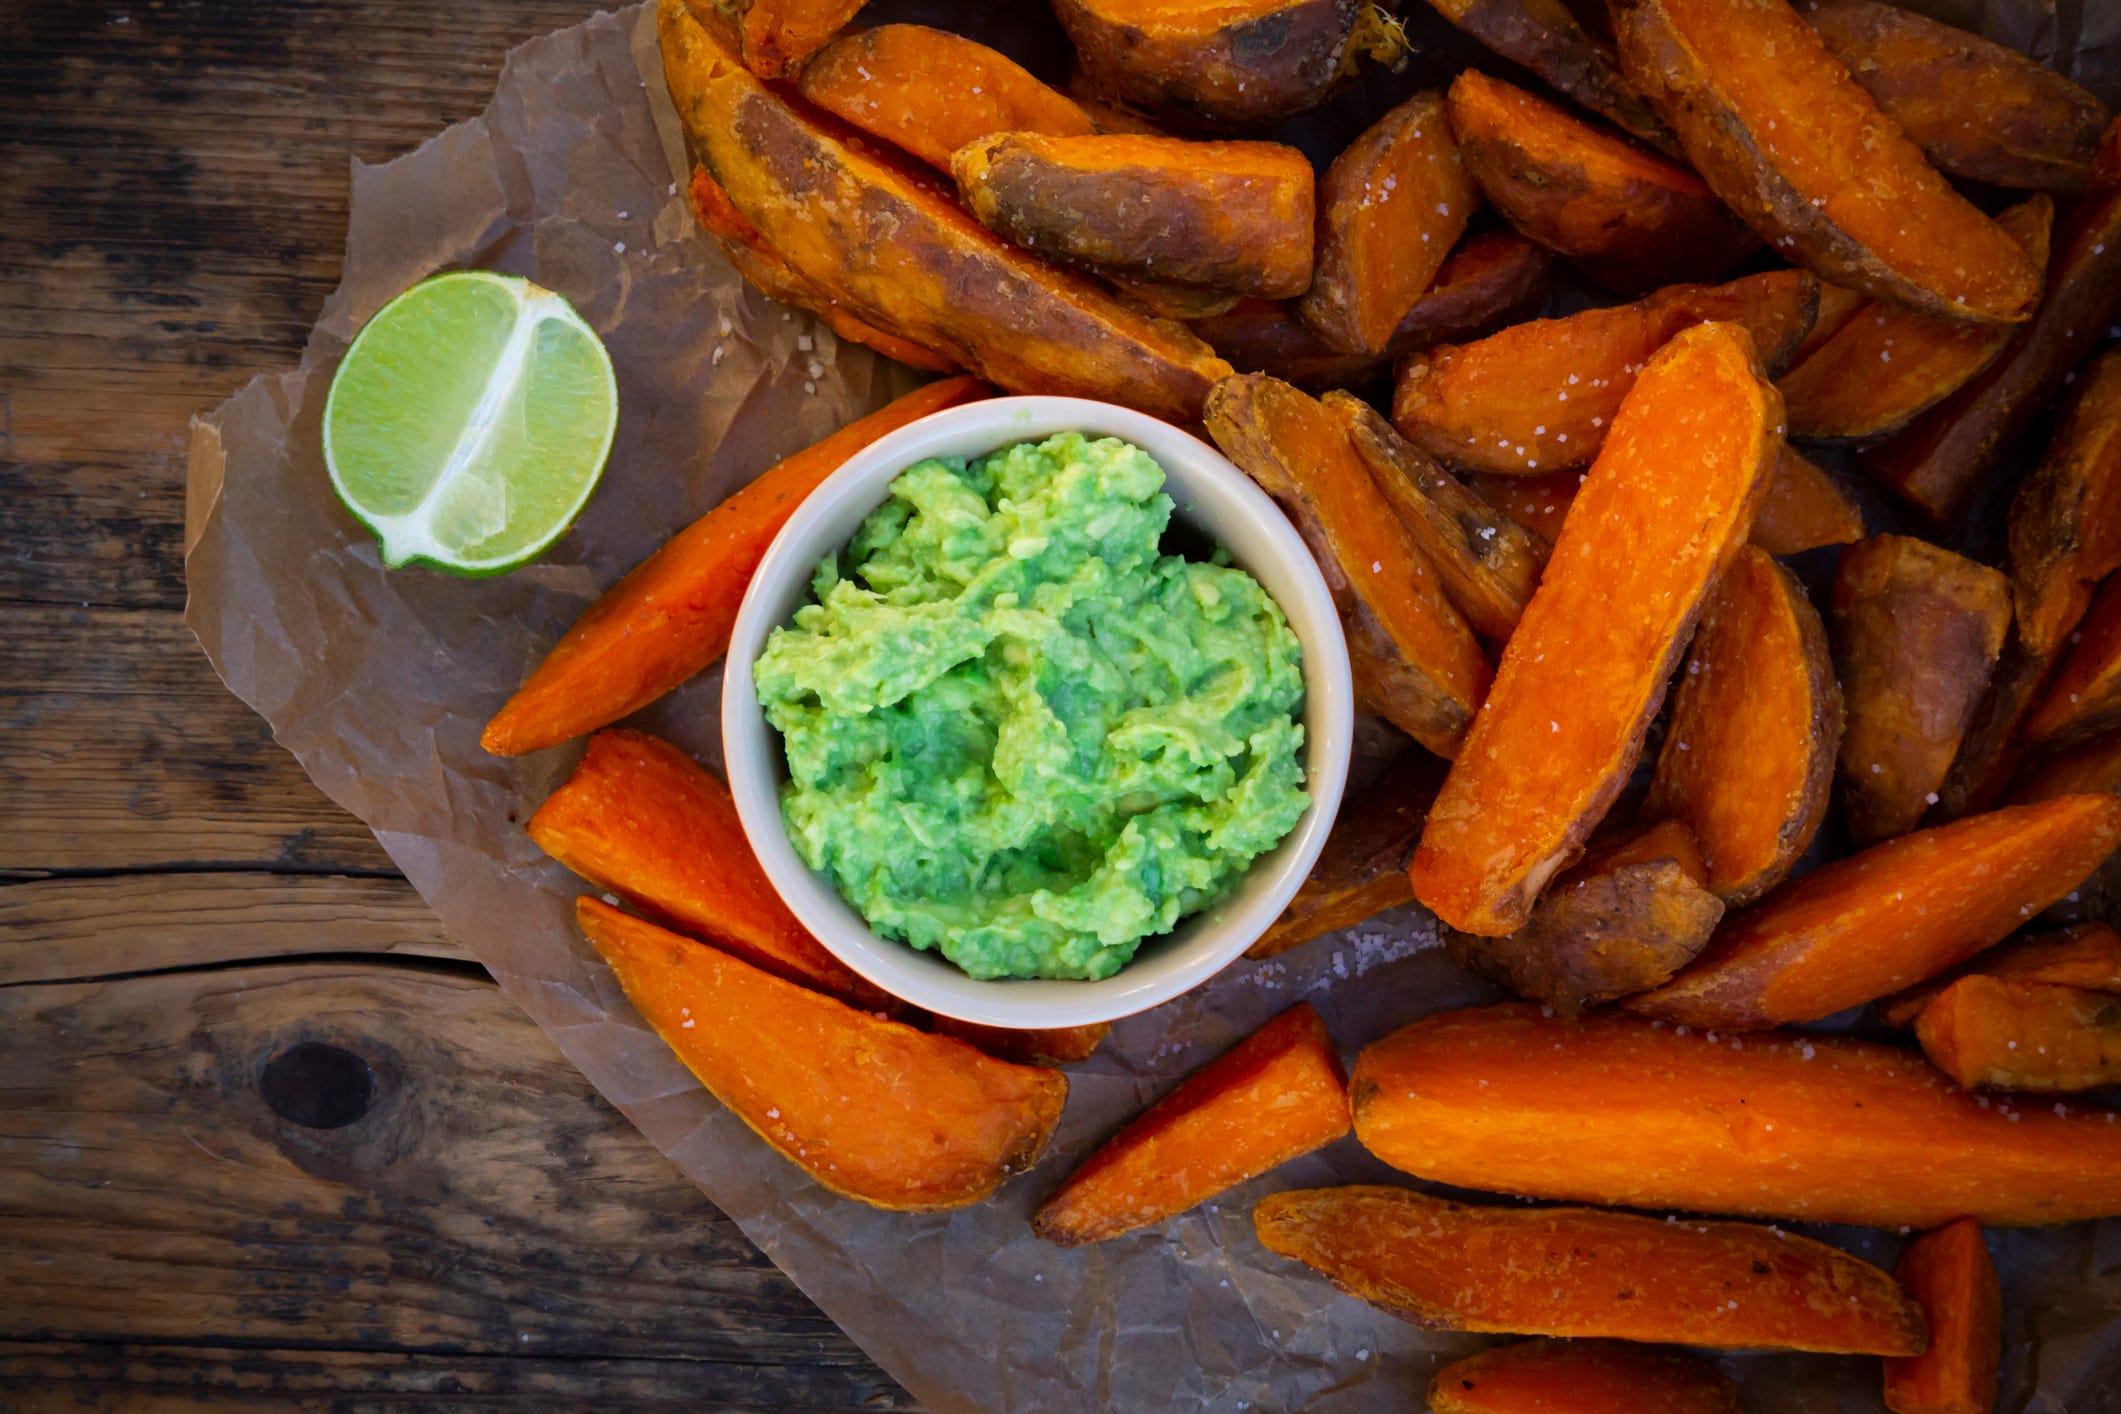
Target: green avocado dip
{"x": 1018, "y": 733}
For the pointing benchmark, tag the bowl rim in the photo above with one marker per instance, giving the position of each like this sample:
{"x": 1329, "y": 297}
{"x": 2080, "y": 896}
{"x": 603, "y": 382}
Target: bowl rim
{"x": 1205, "y": 942}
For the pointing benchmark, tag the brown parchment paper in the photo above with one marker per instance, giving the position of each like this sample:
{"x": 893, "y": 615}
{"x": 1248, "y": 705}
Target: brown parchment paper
{"x": 379, "y": 683}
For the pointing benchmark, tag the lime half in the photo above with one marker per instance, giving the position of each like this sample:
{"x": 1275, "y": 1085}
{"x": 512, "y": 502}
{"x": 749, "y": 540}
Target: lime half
{"x": 469, "y": 422}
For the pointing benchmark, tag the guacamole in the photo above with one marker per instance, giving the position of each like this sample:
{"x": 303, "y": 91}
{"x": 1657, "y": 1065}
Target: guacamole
{"x": 1020, "y": 734}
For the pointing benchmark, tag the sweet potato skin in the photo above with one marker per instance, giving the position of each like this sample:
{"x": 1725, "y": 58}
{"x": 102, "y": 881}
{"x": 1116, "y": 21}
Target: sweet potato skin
{"x": 1363, "y": 868}
{"x": 1630, "y": 221}
{"x": 1545, "y": 38}
{"x": 1279, "y": 1094}
{"x": 776, "y": 36}
{"x": 1541, "y": 396}
{"x": 1846, "y": 933}
{"x": 1583, "y": 1376}
{"x": 1917, "y": 631}
{"x": 1949, "y": 1274}
{"x": 1213, "y": 73}
{"x": 1765, "y": 1126}
{"x": 1581, "y": 1272}
{"x": 1233, "y": 216}
{"x": 671, "y": 616}
{"x": 1778, "y": 129}
{"x": 2004, "y": 1034}
{"x": 1586, "y": 670}
{"x": 2065, "y": 524}
{"x": 2087, "y": 955}
{"x": 1977, "y": 109}
{"x": 871, "y": 1108}
{"x": 2083, "y": 700}
{"x": 1748, "y": 757}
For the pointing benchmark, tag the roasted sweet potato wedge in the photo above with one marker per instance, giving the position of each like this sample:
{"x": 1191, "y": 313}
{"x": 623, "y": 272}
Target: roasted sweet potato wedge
{"x": 2065, "y": 527}
{"x": 1415, "y": 657}
{"x": 1185, "y": 302}
{"x": 1540, "y": 502}
{"x": 899, "y": 253}
{"x": 1234, "y": 216}
{"x": 1278, "y": 1094}
{"x": 1631, "y": 221}
{"x": 1977, "y": 109}
{"x": 1888, "y": 365}
{"x": 670, "y": 617}
{"x": 1994, "y": 747}
{"x": 1949, "y": 1274}
{"x": 1046, "y": 1045}
{"x": 1544, "y": 37}
{"x": 1611, "y": 1108}
{"x": 1748, "y": 758}
{"x": 1916, "y": 631}
{"x": 1582, "y": 1272}
{"x": 1866, "y": 926}
{"x": 1212, "y": 65}
{"x": 931, "y": 91}
{"x": 1837, "y": 306}
{"x": 2001, "y": 1034}
{"x": 774, "y": 37}
{"x": 1586, "y": 670}
{"x": 1363, "y": 869}
{"x": 1390, "y": 208}
{"x": 2087, "y": 955}
{"x": 1542, "y": 396}
{"x": 1583, "y": 1376}
{"x": 871, "y": 1108}
{"x": 2083, "y": 699}
{"x": 1778, "y": 129}
{"x": 2088, "y": 768}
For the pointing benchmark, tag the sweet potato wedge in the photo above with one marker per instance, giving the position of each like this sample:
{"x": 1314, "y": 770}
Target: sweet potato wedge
{"x": 1748, "y": 757}
{"x": 1390, "y": 208}
{"x": 1212, "y": 65}
{"x": 1837, "y": 306}
{"x": 2087, "y": 955}
{"x": 1917, "y": 631}
{"x": 1949, "y": 1274}
{"x": 1631, "y": 221}
{"x": 1778, "y": 129}
{"x": 774, "y": 37}
{"x": 1544, "y": 37}
{"x": 1584, "y": 1377}
{"x": 1415, "y": 658}
{"x": 1888, "y": 365}
{"x": 1977, "y": 109}
{"x": 1278, "y": 1094}
{"x": 670, "y": 617}
{"x": 1539, "y": 502}
{"x": 1944, "y": 456}
{"x": 1048, "y": 1045}
{"x": 931, "y": 91}
{"x": 1620, "y": 922}
{"x": 1582, "y": 1272}
{"x": 871, "y": 1108}
{"x": 2088, "y": 768}
{"x": 1614, "y": 1109}
{"x": 1586, "y": 670}
{"x": 2065, "y": 526}
{"x": 1867, "y": 926}
{"x": 2083, "y": 700}
{"x": 2001, "y": 1034}
{"x": 1184, "y": 302}
{"x": 1541, "y": 396}
{"x": 898, "y": 252}
{"x": 1363, "y": 869}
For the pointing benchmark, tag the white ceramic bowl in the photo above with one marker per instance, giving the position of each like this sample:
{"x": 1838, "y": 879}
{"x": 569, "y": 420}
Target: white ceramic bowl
{"x": 1211, "y": 494}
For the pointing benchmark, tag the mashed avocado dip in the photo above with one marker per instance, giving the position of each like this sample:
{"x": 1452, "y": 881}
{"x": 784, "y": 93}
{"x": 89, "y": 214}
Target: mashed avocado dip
{"x": 1018, "y": 733}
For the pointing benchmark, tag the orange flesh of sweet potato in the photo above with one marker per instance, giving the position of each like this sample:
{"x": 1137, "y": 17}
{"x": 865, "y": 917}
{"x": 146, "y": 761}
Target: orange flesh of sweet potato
{"x": 1540, "y": 503}
{"x": 1994, "y": 747}
{"x": 1631, "y": 221}
{"x": 1977, "y": 109}
{"x": 1837, "y": 306}
{"x": 1186, "y": 302}
{"x": 1586, "y": 670}
{"x": 1390, "y": 208}
{"x": 897, "y": 251}
{"x": 1581, "y": 1377}
{"x": 1866, "y": 926}
{"x": 1545, "y": 38}
{"x": 1278, "y": 1094}
{"x": 1748, "y": 759}
{"x": 1998, "y": 1033}
{"x": 1778, "y": 129}
{"x": 1417, "y": 660}
{"x": 2088, "y": 768}
{"x": 931, "y": 91}
{"x": 1888, "y": 364}
{"x": 1542, "y": 396}
{"x": 2084, "y": 699}
{"x": 1614, "y": 1109}
{"x": 2087, "y": 955}
{"x": 776, "y": 36}
{"x": 1945, "y": 455}
{"x": 1233, "y": 216}
{"x": 1211, "y": 64}
{"x": 2065, "y": 526}
{"x": 1049, "y": 1045}
{"x": 670, "y": 617}
{"x": 1805, "y": 509}
{"x": 1917, "y": 631}
{"x": 1363, "y": 869}
{"x": 1949, "y": 1274}
{"x": 871, "y": 1108}
{"x": 1581, "y": 1272}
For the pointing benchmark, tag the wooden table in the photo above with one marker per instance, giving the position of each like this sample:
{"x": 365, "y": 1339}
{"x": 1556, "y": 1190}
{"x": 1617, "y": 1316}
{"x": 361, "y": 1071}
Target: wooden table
{"x": 202, "y": 960}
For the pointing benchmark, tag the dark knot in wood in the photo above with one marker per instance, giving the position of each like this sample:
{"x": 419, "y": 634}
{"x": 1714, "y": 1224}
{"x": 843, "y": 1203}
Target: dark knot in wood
{"x": 318, "y": 1086}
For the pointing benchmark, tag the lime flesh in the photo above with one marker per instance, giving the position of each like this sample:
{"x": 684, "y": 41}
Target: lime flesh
{"x": 469, "y": 422}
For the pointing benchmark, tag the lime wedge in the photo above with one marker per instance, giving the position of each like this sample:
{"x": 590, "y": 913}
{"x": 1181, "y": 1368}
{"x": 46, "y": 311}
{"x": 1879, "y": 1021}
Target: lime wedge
{"x": 469, "y": 422}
